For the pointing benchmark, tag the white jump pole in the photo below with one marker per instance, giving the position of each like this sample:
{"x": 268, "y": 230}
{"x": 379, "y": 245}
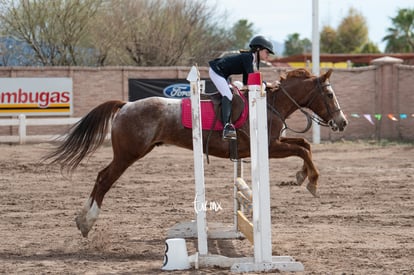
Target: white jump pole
{"x": 199, "y": 201}
{"x": 260, "y": 170}
{"x": 316, "y": 129}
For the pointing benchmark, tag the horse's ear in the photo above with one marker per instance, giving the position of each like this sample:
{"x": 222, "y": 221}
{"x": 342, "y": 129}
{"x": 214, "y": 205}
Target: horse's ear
{"x": 327, "y": 75}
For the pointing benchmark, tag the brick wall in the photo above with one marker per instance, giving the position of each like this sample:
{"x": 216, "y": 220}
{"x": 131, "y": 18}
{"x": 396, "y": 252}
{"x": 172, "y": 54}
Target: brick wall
{"x": 378, "y": 89}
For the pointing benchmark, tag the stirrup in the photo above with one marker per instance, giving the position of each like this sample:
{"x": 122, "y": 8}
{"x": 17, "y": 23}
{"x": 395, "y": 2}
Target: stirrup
{"x": 229, "y": 132}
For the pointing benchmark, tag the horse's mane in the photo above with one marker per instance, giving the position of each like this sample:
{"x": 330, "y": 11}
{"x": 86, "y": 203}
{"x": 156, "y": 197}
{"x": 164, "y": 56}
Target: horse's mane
{"x": 297, "y": 73}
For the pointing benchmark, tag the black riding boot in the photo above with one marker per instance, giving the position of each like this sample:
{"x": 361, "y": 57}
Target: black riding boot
{"x": 229, "y": 132}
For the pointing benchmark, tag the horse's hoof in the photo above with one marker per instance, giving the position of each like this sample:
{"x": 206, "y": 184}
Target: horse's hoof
{"x": 312, "y": 189}
{"x": 300, "y": 178}
{"x": 81, "y": 227}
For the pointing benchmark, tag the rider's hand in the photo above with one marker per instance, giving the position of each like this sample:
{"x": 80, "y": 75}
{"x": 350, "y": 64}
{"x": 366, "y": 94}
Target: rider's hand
{"x": 273, "y": 85}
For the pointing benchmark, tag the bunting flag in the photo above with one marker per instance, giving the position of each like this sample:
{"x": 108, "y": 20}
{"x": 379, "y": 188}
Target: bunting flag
{"x": 369, "y": 118}
{"x": 393, "y": 117}
{"x": 378, "y": 116}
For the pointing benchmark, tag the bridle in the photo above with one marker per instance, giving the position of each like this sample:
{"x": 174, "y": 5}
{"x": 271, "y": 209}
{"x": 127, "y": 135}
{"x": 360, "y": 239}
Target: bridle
{"x": 309, "y": 116}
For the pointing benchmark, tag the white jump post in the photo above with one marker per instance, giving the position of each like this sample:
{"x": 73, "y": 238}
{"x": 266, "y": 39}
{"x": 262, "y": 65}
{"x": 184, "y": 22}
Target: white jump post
{"x": 199, "y": 229}
{"x": 260, "y": 170}
{"x": 199, "y": 201}
{"x": 262, "y": 227}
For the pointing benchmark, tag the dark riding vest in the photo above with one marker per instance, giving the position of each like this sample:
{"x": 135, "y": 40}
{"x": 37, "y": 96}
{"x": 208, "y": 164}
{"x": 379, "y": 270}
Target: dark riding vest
{"x": 233, "y": 64}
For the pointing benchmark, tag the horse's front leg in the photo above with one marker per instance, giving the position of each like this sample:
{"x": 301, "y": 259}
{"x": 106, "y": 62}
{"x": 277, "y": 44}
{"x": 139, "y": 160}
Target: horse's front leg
{"x": 287, "y": 147}
{"x": 104, "y": 181}
{"x": 302, "y": 174}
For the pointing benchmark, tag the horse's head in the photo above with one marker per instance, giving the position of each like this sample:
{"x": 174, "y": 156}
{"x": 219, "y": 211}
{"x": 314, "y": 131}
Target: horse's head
{"x": 324, "y": 103}
{"x": 305, "y": 90}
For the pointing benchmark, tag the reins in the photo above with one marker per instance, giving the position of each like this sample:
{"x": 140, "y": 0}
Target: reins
{"x": 283, "y": 119}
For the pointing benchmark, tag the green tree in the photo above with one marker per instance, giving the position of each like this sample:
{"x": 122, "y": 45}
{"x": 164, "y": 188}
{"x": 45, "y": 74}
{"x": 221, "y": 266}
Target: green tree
{"x": 350, "y": 37}
{"x": 328, "y": 41}
{"x": 242, "y": 31}
{"x": 352, "y": 33}
{"x": 370, "y": 47}
{"x": 294, "y": 45}
{"x": 400, "y": 38}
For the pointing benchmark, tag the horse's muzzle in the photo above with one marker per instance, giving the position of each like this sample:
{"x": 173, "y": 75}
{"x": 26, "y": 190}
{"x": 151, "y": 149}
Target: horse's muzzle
{"x": 339, "y": 125}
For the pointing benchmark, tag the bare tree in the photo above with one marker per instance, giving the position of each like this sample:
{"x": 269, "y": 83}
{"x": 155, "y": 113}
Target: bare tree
{"x": 161, "y": 32}
{"x": 14, "y": 53}
{"x": 53, "y": 29}
{"x": 113, "y": 32}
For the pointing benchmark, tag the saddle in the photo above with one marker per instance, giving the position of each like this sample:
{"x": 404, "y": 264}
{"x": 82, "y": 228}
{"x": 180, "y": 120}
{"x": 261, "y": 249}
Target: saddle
{"x": 211, "y": 111}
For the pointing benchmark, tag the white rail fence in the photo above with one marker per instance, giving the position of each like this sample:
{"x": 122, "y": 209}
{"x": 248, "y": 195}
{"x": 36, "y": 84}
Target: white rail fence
{"x": 22, "y": 122}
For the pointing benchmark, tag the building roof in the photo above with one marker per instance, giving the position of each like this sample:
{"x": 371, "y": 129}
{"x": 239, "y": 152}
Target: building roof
{"x": 336, "y": 58}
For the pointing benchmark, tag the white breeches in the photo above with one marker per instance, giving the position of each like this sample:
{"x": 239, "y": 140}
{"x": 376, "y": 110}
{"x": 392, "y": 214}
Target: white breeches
{"x": 221, "y": 84}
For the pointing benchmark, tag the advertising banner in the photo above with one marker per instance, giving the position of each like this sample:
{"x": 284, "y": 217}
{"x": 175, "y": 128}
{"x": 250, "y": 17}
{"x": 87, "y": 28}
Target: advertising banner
{"x": 36, "y": 96}
{"x": 171, "y": 88}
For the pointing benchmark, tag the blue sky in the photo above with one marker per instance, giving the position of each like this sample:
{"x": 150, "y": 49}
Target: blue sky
{"x": 277, "y": 19}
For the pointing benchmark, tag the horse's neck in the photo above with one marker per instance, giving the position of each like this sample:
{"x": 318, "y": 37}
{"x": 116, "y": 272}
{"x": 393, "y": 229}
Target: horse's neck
{"x": 283, "y": 105}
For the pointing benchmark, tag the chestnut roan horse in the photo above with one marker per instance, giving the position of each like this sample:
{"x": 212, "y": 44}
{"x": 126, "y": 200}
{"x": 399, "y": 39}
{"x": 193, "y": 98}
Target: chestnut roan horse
{"x": 137, "y": 127}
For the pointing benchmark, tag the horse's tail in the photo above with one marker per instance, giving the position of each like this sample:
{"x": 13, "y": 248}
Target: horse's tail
{"x": 85, "y": 137}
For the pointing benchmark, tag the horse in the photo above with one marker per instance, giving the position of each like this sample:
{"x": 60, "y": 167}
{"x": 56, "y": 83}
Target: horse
{"x": 137, "y": 127}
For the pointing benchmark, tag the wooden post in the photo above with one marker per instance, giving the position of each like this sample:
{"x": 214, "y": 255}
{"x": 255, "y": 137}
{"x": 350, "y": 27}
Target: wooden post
{"x": 22, "y": 129}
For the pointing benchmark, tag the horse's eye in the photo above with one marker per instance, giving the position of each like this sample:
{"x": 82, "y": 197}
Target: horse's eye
{"x": 330, "y": 95}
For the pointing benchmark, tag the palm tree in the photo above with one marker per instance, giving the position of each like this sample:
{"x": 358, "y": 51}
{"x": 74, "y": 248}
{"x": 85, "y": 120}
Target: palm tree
{"x": 242, "y": 32}
{"x": 401, "y": 36}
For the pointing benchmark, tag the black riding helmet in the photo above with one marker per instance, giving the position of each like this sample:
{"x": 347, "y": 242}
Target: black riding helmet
{"x": 262, "y": 43}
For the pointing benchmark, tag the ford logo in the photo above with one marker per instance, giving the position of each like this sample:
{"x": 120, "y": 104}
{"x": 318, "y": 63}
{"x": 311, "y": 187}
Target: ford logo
{"x": 180, "y": 90}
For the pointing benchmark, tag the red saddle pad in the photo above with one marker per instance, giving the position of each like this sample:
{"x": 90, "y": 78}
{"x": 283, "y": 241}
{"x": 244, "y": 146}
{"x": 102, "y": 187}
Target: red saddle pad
{"x": 207, "y": 115}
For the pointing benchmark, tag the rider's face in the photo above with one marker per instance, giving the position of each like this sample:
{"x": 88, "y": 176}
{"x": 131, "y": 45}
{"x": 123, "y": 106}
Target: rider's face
{"x": 264, "y": 54}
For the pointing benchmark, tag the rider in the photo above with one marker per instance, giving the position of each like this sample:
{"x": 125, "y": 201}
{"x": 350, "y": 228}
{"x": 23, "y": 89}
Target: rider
{"x": 245, "y": 62}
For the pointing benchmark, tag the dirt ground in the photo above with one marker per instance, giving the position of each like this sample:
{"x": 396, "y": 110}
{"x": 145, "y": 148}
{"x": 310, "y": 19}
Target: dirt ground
{"x": 363, "y": 223}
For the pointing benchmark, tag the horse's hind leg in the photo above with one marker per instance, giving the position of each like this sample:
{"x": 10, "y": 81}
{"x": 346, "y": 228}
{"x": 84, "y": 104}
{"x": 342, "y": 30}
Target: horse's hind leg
{"x": 104, "y": 181}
